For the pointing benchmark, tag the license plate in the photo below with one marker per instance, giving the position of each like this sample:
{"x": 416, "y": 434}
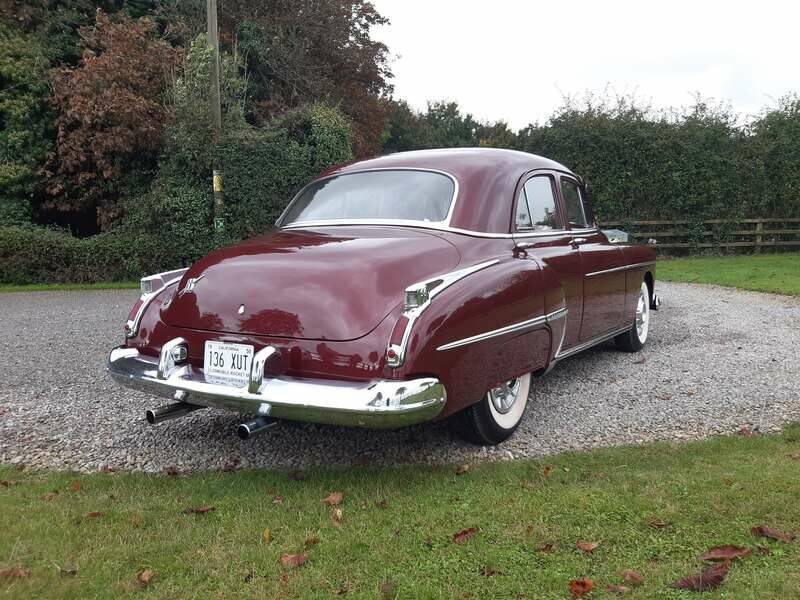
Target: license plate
{"x": 228, "y": 364}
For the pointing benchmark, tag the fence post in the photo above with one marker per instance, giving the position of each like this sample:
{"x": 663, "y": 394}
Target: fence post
{"x": 759, "y": 229}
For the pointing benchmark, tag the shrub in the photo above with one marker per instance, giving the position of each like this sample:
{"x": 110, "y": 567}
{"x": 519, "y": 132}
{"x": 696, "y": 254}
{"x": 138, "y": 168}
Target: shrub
{"x": 39, "y": 255}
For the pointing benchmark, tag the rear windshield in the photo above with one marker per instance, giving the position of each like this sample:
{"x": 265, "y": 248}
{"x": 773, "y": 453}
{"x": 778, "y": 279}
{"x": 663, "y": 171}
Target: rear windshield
{"x": 394, "y": 195}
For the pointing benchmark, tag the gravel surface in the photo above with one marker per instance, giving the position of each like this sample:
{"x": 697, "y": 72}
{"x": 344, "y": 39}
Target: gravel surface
{"x": 717, "y": 360}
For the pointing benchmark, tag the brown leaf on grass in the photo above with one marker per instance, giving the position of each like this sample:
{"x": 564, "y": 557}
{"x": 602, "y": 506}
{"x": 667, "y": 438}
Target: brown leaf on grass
{"x": 586, "y": 546}
{"x": 5, "y": 483}
{"x": 387, "y": 589}
{"x": 312, "y": 540}
{"x": 465, "y": 534}
{"x": 146, "y": 576}
{"x": 382, "y": 504}
{"x": 93, "y": 514}
{"x": 336, "y": 515}
{"x": 547, "y": 471}
{"x": 75, "y": 486}
{"x": 632, "y": 577}
{"x": 277, "y": 499}
{"x": 14, "y": 573}
{"x": 725, "y": 552}
{"x": 67, "y": 571}
{"x": 771, "y": 533}
{"x": 763, "y": 549}
{"x": 293, "y": 560}
{"x": 487, "y": 572}
{"x": 50, "y": 496}
{"x": 710, "y": 578}
{"x": 343, "y": 590}
{"x": 618, "y": 589}
{"x": 298, "y": 475}
{"x": 461, "y": 469}
{"x": 333, "y": 499}
{"x": 745, "y": 432}
{"x": 549, "y": 547}
{"x": 580, "y": 587}
{"x": 199, "y": 510}
{"x": 658, "y": 523}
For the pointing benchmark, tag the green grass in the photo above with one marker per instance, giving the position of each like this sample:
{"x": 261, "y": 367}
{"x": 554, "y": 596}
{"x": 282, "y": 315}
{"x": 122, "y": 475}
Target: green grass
{"x": 777, "y": 273}
{"x": 68, "y": 287}
{"x": 398, "y": 522}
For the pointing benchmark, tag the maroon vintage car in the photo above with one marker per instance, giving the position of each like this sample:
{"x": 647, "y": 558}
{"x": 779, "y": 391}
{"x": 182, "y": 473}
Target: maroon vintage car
{"x": 394, "y": 291}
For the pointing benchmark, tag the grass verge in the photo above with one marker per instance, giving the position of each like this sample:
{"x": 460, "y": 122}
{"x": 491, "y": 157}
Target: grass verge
{"x": 653, "y": 509}
{"x": 776, "y": 273}
{"x": 69, "y": 287}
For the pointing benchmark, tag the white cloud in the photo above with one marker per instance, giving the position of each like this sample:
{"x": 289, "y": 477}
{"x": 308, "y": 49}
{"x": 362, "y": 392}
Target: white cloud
{"x": 510, "y": 60}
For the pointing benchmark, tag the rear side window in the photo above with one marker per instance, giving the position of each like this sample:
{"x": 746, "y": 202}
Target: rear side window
{"x": 536, "y": 206}
{"x": 573, "y": 202}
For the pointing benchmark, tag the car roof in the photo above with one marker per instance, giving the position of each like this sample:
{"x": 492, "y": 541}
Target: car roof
{"x": 487, "y": 179}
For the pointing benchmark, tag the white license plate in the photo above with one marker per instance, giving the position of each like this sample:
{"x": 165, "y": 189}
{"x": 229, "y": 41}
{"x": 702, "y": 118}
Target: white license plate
{"x": 228, "y": 364}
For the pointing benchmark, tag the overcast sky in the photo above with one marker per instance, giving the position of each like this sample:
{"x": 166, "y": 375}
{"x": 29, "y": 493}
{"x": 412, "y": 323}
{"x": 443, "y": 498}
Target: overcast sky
{"x": 514, "y": 60}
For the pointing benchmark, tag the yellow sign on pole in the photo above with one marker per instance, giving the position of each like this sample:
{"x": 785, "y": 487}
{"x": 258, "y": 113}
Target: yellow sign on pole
{"x": 217, "y": 181}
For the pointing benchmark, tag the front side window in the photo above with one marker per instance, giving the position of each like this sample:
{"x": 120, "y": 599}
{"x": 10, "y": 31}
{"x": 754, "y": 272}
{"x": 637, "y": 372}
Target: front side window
{"x": 393, "y": 194}
{"x": 573, "y": 202}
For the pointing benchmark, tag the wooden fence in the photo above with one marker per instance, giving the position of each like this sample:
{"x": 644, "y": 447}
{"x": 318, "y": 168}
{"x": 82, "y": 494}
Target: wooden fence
{"x": 716, "y": 233}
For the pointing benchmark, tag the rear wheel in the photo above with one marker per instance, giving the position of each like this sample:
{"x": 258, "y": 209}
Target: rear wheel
{"x": 498, "y": 414}
{"x": 633, "y": 340}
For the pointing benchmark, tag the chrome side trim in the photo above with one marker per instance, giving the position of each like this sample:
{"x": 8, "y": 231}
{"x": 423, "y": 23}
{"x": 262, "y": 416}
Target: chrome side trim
{"x": 435, "y": 286}
{"x": 623, "y": 268}
{"x": 591, "y": 342}
{"x": 530, "y": 324}
{"x": 132, "y": 325}
{"x": 445, "y": 222}
{"x": 377, "y": 404}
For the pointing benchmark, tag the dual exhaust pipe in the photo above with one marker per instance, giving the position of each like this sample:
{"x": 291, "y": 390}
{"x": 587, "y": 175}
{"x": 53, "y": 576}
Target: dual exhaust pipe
{"x": 180, "y": 409}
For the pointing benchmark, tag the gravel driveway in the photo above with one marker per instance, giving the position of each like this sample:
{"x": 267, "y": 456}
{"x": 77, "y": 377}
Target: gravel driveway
{"x": 717, "y": 360}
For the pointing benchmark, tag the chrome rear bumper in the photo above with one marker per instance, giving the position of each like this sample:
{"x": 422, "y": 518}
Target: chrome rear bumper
{"x": 380, "y": 404}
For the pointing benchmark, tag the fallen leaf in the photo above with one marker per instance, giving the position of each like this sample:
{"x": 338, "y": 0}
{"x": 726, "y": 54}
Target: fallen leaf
{"x": 333, "y": 499}
{"x": 710, "y": 578}
{"x": 107, "y": 469}
{"x": 725, "y": 552}
{"x": 249, "y": 577}
{"x": 312, "y": 541}
{"x": 465, "y": 534}
{"x": 343, "y": 590}
{"x": 618, "y": 589}
{"x": 580, "y": 587}
{"x": 231, "y": 465}
{"x": 461, "y": 469}
{"x": 665, "y": 397}
{"x": 277, "y": 499}
{"x": 771, "y": 533}
{"x": 690, "y": 392}
{"x": 658, "y": 524}
{"x": 199, "y": 510}
{"x": 14, "y": 573}
{"x": 795, "y": 456}
{"x": 5, "y": 483}
{"x": 632, "y": 577}
{"x": 745, "y": 432}
{"x": 67, "y": 572}
{"x": 546, "y": 471}
{"x": 763, "y": 549}
{"x": 487, "y": 572}
{"x": 146, "y": 576}
{"x": 387, "y": 589}
{"x": 293, "y": 560}
{"x": 336, "y": 515}
{"x": 50, "y": 496}
{"x": 549, "y": 547}
{"x": 75, "y": 486}
{"x": 382, "y": 504}
{"x": 298, "y": 475}
{"x": 266, "y": 535}
{"x": 93, "y": 514}
{"x": 171, "y": 471}
{"x": 728, "y": 482}
{"x": 586, "y": 546}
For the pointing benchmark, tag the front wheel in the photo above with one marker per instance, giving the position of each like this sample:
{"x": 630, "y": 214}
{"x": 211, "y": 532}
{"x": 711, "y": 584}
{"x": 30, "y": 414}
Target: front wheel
{"x": 633, "y": 340}
{"x": 498, "y": 414}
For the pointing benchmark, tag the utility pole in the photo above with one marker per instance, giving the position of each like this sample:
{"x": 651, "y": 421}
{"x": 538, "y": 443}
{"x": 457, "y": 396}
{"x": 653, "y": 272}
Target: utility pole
{"x": 216, "y": 109}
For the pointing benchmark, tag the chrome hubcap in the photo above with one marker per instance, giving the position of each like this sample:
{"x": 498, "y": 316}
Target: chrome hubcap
{"x": 505, "y": 395}
{"x": 642, "y": 315}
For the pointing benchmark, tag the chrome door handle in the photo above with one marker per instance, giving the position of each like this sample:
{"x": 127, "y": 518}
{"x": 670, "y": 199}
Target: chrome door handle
{"x": 578, "y": 241}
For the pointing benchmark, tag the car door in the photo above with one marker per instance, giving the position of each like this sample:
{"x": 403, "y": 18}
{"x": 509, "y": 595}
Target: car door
{"x": 602, "y": 263}
{"x": 541, "y": 232}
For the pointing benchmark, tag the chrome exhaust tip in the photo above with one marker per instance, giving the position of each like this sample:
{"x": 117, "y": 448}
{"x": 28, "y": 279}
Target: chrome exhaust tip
{"x": 170, "y": 411}
{"x": 247, "y": 430}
